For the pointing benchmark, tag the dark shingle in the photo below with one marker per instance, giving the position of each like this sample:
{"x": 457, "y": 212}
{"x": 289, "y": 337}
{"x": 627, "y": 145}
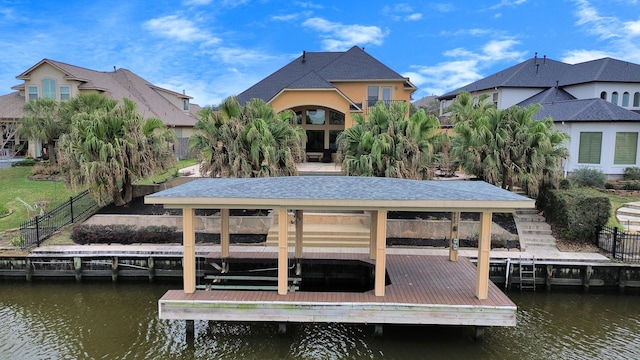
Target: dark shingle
{"x": 593, "y": 110}
{"x": 547, "y": 96}
{"x": 602, "y": 70}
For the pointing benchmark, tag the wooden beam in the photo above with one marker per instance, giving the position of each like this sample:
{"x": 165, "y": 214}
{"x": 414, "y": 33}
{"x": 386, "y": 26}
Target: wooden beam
{"x": 453, "y": 236}
{"x": 299, "y": 228}
{"x": 381, "y": 255}
{"x": 373, "y": 234}
{"x": 224, "y": 233}
{"x": 484, "y": 249}
{"x": 283, "y": 261}
{"x": 189, "y": 253}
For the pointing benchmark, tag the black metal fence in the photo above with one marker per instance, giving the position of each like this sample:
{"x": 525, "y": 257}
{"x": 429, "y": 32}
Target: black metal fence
{"x": 42, "y": 226}
{"x": 621, "y": 245}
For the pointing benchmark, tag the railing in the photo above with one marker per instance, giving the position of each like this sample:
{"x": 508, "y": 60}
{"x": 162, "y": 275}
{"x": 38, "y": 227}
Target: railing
{"x": 369, "y": 104}
{"x": 42, "y": 226}
{"x": 619, "y": 244}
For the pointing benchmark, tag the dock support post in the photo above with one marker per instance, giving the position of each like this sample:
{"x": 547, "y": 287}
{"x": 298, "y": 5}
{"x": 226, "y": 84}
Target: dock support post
{"x": 549, "y": 277}
{"x": 152, "y": 271}
{"x": 224, "y": 233}
{"x": 373, "y": 234}
{"x": 381, "y": 252}
{"x": 299, "y": 219}
{"x": 189, "y": 244}
{"x": 378, "y": 330}
{"x": 77, "y": 265}
{"x": 190, "y": 328}
{"x": 282, "y": 328}
{"x": 484, "y": 249}
{"x": 453, "y": 236}
{"x": 114, "y": 269}
{"x": 588, "y": 272}
{"x": 479, "y": 335}
{"x": 283, "y": 256}
{"x": 28, "y": 270}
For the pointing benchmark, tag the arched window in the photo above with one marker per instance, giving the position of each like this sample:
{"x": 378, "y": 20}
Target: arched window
{"x": 636, "y": 99}
{"x": 603, "y": 95}
{"x": 614, "y": 97}
{"x": 625, "y": 99}
{"x": 49, "y": 89}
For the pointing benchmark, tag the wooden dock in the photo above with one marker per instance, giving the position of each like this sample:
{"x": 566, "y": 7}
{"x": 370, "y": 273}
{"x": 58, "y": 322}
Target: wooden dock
{"x": 423, "y": 290}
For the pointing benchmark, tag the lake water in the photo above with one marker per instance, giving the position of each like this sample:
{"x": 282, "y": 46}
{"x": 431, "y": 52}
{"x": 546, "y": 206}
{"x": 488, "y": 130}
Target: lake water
{"x": 42, "y": 320}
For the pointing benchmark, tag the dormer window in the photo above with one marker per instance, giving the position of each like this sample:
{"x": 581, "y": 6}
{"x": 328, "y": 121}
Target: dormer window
{"x": 603, "y": 95}
{"x": 625, "y": 99}
{"x": 614, "y": 98}
{"x": 185, "y": 104}
{"x": 49, "y": 89}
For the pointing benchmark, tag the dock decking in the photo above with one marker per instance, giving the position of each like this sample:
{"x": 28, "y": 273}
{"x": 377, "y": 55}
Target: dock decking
{"x": 423, "y": 290}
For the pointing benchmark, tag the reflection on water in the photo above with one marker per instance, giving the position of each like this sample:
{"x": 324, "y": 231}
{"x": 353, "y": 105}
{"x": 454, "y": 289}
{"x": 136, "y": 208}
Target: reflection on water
{"x": 106, "y": 321}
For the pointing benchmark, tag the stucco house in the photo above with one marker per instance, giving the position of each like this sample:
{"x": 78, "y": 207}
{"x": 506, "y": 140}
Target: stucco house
{"x": 596, "y": 102}
{"x": 60, "y": 81}
{"x": 325, "y": 89}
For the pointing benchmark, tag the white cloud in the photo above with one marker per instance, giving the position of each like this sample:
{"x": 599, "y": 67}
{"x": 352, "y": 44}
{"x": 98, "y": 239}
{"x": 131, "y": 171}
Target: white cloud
{"x": 507, "y": 3}
{"x": 578, "y": 56}
{"x": 339, "y": 37}
{"x": 290, "y": 17}
{"x": 443, "y": 7}
{"x": 465, "y": 67}
{"x": 400, "y": 12}
{"x": 180, "y": 29}
{"x": 309, "y": 5}
{"x": 240, "y": 56}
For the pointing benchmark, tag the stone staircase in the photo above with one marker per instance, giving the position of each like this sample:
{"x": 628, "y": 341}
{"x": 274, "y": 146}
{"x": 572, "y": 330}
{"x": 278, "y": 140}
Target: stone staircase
{"x": 533, "y": 229}
{"x": 325, "y": 229}
{"x": 629, "y": 216}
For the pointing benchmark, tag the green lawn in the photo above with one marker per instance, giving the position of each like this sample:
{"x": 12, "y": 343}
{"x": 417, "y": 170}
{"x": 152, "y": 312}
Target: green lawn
{"x": 15, "y": 183}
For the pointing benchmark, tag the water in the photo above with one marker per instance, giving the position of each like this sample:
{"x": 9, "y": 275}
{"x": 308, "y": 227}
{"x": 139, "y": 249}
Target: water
{"x": 119, "y": 321}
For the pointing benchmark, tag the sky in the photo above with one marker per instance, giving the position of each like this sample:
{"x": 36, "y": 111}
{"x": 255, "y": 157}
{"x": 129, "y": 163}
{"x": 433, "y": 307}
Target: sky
{"x": 213, "y": 49}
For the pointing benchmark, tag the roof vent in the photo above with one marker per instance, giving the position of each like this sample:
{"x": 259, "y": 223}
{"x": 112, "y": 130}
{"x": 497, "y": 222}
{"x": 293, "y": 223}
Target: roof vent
{"x": 535, "y": 58}
{"x": 304, "y": 55}
{"x": 544, "y": 59}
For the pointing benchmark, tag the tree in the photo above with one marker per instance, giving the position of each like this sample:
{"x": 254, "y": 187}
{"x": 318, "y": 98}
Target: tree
{"x": 507, "y": 147}
{"x": 247, "y": 141}
{"x": 42, "y": 123}
{"x": 109, "y": 148}
{"x": 389, "y": 144}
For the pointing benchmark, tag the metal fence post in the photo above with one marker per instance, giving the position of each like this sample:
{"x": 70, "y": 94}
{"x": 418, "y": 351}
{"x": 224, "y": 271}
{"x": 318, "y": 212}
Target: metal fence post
{"x": 37, "y": 231}
{"x": 615, "y": 240}
{"x": 71, "y": 207}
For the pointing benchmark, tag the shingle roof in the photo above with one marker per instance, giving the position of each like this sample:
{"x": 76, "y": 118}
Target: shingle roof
{"x": 548, "y": 96}
{"x": 532, "y": 73}
{"x": 11, "y": 105}
{"x": 594, "y": 110}
{"x": 125, "y": 84}
{"x": 354, "y": 64}
{"x": 546, "y": 73}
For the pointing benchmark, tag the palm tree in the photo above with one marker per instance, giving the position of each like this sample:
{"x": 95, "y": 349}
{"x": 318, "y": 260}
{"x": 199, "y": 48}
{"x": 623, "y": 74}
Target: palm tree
{"x": 108, "y": 149}
{"x": 389, "y": 144}
{"x": 42, "y": 123}
{"x": 247, "y": 141}
{"x": 507, "y": 147}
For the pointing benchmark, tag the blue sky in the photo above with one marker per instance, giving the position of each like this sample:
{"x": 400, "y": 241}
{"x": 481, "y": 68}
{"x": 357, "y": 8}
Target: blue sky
{"x": 213, "y": 49}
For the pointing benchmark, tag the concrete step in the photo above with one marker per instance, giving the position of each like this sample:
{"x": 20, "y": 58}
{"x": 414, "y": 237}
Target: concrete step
{"x": 633, "y": 205}
{"x": 538, "y": 239}
{"x": 529, "y": 218}
{"x": 533, "y": 225}
{"x": 536, "y": 232}
{"x": 629, "y": 211}
{"x": 626, "y": 220}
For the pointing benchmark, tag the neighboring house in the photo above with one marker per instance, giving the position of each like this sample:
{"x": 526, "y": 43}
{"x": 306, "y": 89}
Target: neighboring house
{"x": 60, "y": 81}
{"x": 325, "y": 89}
{"x": 596, "y": 102}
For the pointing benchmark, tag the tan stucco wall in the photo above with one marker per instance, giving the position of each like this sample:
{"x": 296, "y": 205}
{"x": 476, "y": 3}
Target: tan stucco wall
{"x": 326, "y": 98}
{"x": 357, "y": 91}
{"x": 46, "y": 71}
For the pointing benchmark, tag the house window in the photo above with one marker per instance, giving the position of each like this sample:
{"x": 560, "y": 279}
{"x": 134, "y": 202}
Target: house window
{"x": 495, "y": 99}
{"x": 636, "y": 99}
{"x": 65, "y": 93}
{"x": 315, "y": 116}
{"x": 49, "y": 89}
{"x": 336, "y": 118}
{"x": 603, "y": 95}
{"x": 626, "y": 148}
{"x": 625, "y": 99}
{"x": 372, "y": 95}
{"x": 386, "y": 95}
{"x": 614, "y": 97}
{"x": 590, "y": 147}
{"x": 185, "y": 104}
{"x": 33, "y": 92}
{"x": 315, "y": 140}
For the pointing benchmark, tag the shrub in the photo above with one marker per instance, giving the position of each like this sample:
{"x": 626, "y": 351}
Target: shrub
{"x": 123, "y": 234}
{"x": 588, "y": 177}
{"x": 576, "y": 213}
{"x": 45, "y": 169}
{"x": 631, "y": 173}
{"x": 631, "y": 185}
{"x": 565, "y": 184}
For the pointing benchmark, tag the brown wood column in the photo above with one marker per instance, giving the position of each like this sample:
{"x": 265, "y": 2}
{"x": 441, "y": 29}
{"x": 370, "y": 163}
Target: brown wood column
{"x": 381, "y": 252}
{"x": 373, "y": 234}
{"x": 189, "y": 250}
{"x": 453, "y": 234}
{"x": 484, "y": 249}
{"x": 283, "y": 261}
{"x": 299, "y": 228}
{"x": 224, "y": 233}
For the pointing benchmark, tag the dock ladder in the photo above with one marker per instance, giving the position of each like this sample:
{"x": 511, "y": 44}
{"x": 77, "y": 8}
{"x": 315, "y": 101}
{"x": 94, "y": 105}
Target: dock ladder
{"x": 528, "y": 274}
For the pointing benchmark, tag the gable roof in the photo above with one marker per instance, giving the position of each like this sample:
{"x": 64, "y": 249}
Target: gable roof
{"x": 547, "y": 96}
{"x": 585, "y": 110}
{"x": 320, "y": 70}
{"x": 123, "y": 83}
{"x": 602, "y": 70}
